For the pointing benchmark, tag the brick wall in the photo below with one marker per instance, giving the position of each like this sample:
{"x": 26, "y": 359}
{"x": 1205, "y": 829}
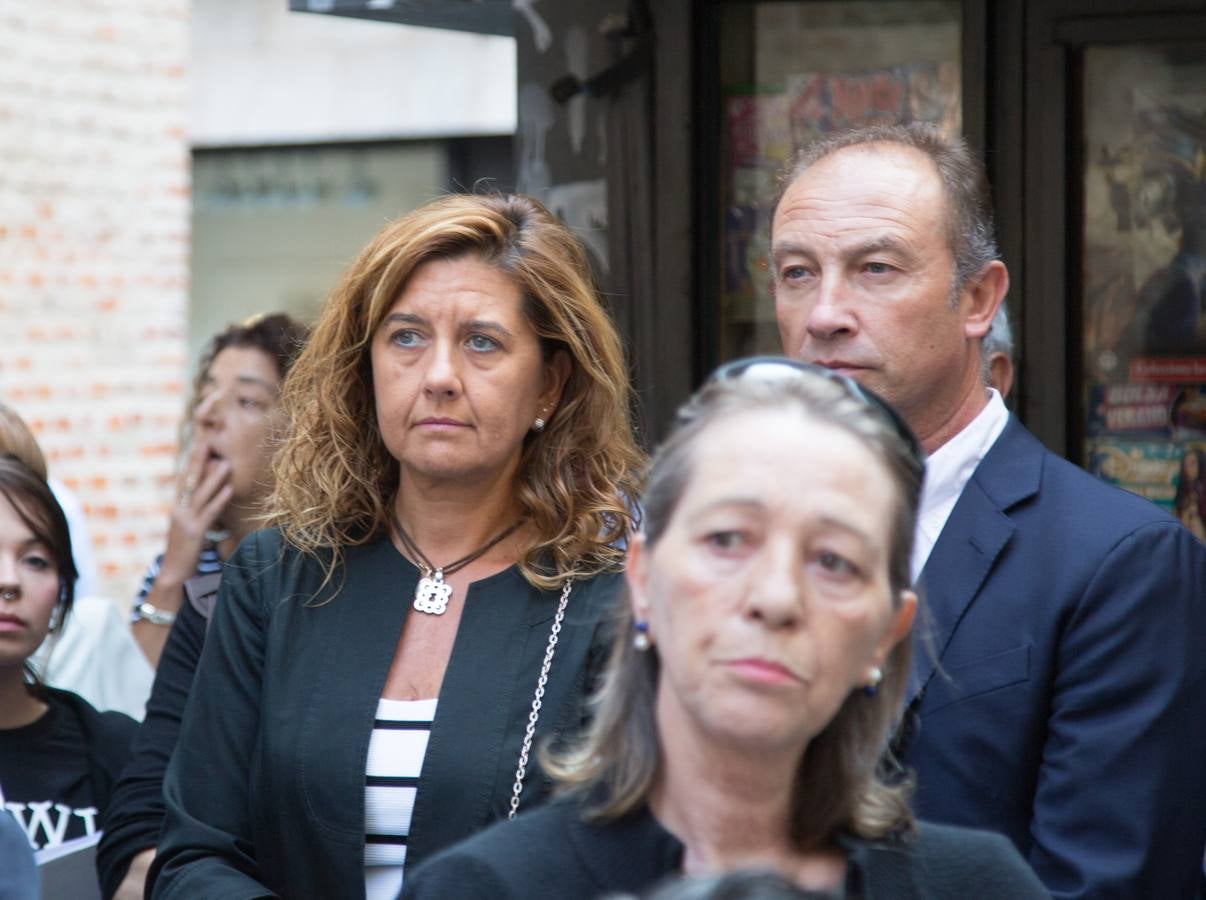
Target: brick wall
{"x": 94, "y": 238}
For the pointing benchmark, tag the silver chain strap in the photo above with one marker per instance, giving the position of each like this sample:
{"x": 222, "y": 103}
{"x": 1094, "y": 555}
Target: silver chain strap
{"x": 522, "y": 769}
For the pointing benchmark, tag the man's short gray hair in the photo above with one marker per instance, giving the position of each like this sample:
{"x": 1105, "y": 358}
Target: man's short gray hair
{"x": 998, "y": 340}
{"x": 970, "y": 231}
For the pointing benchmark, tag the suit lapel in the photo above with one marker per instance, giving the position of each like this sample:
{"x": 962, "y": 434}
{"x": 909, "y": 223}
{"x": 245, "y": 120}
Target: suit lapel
{"x": 978, "y": 530}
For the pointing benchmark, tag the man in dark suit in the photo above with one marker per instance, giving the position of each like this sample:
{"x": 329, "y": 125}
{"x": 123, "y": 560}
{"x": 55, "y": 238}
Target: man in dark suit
{"x": 1066, "y": 707}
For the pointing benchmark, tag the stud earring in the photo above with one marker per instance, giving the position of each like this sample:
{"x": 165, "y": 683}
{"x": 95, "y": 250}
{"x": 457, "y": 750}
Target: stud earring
{"x": 873, "y": 679}
{"x": 640, "y": 640}
{"x": 538, "y": 425}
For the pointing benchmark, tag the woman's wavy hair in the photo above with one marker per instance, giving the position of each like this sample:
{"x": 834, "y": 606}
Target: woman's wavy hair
{"x": 577, "y": 477}
{"x": 37, "y": 507}
{"x": 842, "y": 782}
{"x": 278, "y": 335}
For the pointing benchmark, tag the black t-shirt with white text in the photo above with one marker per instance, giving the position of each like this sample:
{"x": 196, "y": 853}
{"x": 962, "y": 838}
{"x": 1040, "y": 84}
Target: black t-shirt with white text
{"x": 48, "y": 770}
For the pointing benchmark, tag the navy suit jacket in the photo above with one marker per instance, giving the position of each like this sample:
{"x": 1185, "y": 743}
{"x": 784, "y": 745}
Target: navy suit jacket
{"x": 1062, "y": 701}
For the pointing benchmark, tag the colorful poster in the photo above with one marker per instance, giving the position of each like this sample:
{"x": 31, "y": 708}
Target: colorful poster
{"x": 1171, "y": 475}
{"x": 1144, "y": 272}
{"x": 1169, "y": 411}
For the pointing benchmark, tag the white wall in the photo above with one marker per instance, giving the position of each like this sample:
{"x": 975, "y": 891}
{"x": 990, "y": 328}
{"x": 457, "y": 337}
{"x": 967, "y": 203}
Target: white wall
{"x": 264, "y": 75}
{"x": 273, "y": 229}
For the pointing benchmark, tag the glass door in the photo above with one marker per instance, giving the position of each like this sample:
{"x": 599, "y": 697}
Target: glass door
{"x": 1143, "y": 271}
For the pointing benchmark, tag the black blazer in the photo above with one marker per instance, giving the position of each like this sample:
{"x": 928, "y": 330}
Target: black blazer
{"x": 552, "y": 853}
{"x": 265, "y": 793}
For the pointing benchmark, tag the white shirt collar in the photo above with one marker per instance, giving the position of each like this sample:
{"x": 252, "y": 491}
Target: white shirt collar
{"x": 947, "y": 471}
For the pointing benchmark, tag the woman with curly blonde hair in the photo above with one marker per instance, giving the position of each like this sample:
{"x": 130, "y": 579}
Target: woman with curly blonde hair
{"x": 451, "y": 504}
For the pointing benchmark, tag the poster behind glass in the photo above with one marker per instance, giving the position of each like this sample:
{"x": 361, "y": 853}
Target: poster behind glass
{"x": 1144, "y": 273}
{"x": 792, "y": 72}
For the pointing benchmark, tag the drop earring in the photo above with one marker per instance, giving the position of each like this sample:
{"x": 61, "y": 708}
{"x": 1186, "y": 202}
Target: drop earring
{"x": 873, "y": 679}
{"x": 640, "y": 640}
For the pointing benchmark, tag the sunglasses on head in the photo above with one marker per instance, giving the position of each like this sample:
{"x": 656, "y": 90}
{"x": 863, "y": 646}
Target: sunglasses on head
{"x": 776, "y": 368}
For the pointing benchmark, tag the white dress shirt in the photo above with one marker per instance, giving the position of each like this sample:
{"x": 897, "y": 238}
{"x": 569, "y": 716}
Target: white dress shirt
{"x": 947, "y": 471}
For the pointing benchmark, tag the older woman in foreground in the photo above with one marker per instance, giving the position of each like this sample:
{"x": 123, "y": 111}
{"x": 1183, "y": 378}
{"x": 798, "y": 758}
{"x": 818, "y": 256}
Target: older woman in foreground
{"x": 756, "y": 672}
{"x": 449, "y": 501}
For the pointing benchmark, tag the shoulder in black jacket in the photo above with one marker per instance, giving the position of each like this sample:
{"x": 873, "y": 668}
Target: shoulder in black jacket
{"x": 553, "y": 853}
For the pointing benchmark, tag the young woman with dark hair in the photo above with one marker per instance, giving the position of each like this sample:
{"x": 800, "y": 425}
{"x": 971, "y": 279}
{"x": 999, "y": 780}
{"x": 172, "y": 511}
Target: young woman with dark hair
{"x": 59, "y": 757}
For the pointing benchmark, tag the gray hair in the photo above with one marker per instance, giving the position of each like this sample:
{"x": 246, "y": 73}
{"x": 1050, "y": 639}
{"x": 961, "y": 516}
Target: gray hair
{"x": 839, "y": 784}
{"x": 998, "y": 340}
{"x": 970, "y": 231}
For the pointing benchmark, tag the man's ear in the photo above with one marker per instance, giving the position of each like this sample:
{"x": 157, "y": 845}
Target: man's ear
{"x": 982, "y": 296}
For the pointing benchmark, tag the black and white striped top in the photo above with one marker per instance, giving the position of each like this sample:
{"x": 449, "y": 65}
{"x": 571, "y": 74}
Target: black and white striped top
{"x": 395, "y": 759}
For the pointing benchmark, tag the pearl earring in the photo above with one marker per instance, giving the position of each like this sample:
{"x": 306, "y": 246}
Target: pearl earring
{"x": 640, "y": 640}
{"x": 875, "y": 676}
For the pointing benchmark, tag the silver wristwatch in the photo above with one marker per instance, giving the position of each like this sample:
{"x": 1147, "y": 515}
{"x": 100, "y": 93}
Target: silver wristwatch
{"x": 155, "y": 615}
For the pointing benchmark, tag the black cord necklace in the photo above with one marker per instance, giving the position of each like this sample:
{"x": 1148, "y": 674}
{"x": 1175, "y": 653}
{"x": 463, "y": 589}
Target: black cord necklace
{"x": 433, "y": 593}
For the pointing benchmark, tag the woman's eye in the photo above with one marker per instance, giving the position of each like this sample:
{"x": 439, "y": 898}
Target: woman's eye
{"x": 250, "y": 403}
{"x": 407, "y": 337}
{"x": 835, "y": 563}
{"x": 725, "y": 540}
{"x": 481, "y": 343}
{"x": 36, "y": 562}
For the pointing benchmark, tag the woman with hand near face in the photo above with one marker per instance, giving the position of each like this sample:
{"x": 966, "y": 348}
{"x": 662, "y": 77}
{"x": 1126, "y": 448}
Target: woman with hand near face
{"x": 59, "y": 757}
{"x": 226, "y": 475}
{"x": 233, "y": 423}
{"x": 448, "y": 505}
{"x": 755, "y": 674}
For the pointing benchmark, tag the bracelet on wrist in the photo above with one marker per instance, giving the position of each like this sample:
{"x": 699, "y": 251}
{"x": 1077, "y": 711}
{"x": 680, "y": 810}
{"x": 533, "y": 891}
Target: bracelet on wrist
{"x": 155, "y": 615}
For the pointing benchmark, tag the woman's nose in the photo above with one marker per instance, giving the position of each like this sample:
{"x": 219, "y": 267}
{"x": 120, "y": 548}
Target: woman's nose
{"x": 775, "y": 593}
{"x": 210, "y": 411}
{"x": 442, "y": 377}
{"x": 8, "y": 573}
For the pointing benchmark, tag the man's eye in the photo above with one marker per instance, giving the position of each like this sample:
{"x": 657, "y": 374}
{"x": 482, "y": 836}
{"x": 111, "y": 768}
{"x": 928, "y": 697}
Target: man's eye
{"x": 878, "y": 268}
{"x": 481, "y": 343}
{"x": 792, "y": 273}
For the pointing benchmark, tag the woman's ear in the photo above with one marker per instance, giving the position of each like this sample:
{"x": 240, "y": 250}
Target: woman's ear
{"x": 556, "y": 374}
{"x": 636, "y": 577}
{"x": 899, "y": 626}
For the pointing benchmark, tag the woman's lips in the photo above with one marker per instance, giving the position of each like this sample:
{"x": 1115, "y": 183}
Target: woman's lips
{"x": 764, "y": 671}
{"x": 440, "y": 423}
{"x": 11, "y": 623}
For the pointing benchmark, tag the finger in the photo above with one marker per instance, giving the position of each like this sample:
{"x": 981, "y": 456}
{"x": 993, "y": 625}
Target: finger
{"x": 213, "y": 509}
{"x": 216, "y": 475}
{"x": 193, "y": 469}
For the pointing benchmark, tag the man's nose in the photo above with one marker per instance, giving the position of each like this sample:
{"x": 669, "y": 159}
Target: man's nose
{"x": 831, "y": 314}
